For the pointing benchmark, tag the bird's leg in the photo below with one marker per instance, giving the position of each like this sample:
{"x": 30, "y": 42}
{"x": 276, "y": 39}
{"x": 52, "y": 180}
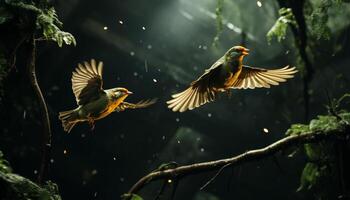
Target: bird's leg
{"x": 229, "y": 93}
{"x": 91, "y": 123}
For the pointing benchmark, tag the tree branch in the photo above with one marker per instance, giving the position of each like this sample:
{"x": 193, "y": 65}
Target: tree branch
{"x": 44, "y": 112}
{"x": 252, "y": 155}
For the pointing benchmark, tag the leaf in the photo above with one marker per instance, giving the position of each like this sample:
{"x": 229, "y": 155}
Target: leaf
{"x": 279, "y": 29}
{"x": 297, "y": 129}
{"x": 309, "y": 176}
{"x": 5, "y": 15}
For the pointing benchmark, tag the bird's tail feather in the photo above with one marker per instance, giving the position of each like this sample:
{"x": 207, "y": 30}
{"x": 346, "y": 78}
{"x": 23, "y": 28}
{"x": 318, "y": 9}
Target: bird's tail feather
{"x": 68, "y": 119}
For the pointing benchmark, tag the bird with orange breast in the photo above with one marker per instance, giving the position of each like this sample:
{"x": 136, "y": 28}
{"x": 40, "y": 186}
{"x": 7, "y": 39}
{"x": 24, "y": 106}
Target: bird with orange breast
{"x": 225, "y": 74}
{"x": 93, "y": 101}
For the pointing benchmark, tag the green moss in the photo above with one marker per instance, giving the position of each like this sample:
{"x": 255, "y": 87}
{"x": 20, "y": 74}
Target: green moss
{"x": 279, "y": 29}
{"x": 14, "y": 186}
{"x": 297, "y": 129}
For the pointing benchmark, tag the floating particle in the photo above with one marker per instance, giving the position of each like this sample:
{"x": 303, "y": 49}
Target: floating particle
{"x": 52, "y": 160}
{"x": 266, "y": 130}
{"x": 65, "y": 151}
{"x": 122, "y": 136}
{"x": 95, "y": 194}
{"x": 163, "y": 137}
{"x": 198, "y": 139}
{"x": 155, "y": 80}
{"x": 132, "y": 53}
{"x": 114, "y": 158}
{"x": 121, "y": 22}
{"x": 170, "y": 181}
{"x": 35, "y": 171}
{"x": 105, "y": 28}
{"x": 259, "y": 3}
{"x": 146, "y": 66}
{"x": 149, "y": 46}
{"x": 205, "y": 47}
{"x": 200, "y": 46}
{"x": 143, "y": 28}
{"x": 202, "y": 149}
{"x": 136, "y": 74}
{"x": 177, "y": 119}
{"x": 83, "y": 135}
{"x": 24, "y": 114}
{"x": 209, "y": 114}
{"x": 121, "y": 179}
{"x": 94, "y": 172}
{"x": 178, "y": 141}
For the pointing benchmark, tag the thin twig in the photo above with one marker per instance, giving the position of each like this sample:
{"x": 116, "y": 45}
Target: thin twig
{"x": 252, "y": 155}
{"x": 214, "y": 177}
{"x": 44, "y": 113}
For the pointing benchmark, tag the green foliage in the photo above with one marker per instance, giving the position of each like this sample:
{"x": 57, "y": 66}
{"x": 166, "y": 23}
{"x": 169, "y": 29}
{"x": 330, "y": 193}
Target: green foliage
{"x": 297, "y": 129}
{"x": 14, "y": 186}
{"x": 318, "y": 18}
{"x": 5, "y": 15}
{"x": 131, "y": 197}
{"x": 320, "y": 167}
{"x": 279, "y": 29}
{"x": 4, "y": 165}
{"x": 50, "y": 24}
{"x": 47, "y": 22}
{"x": 219, "y": 23}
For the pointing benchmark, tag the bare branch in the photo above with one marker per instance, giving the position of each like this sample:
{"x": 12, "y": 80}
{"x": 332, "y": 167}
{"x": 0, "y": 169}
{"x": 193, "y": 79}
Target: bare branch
{"x": 252, "y": 155}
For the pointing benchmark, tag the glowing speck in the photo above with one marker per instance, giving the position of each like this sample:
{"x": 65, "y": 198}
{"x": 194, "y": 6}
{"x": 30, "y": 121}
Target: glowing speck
{"x": 202, "y": 149}
{"x": 155, "y": 80}
{"x": 198, "y": 139}
{"x": 132, "y": 53}
{"x": 65, "y": 151}
{"x": 177, "y": 119}
{"x": 143, "y": 28}
{"x": 114, "y": 158}
{"x": 205, "y": 47}
{"x": 149, "y": 46}
{"x": 259, "y": 3}
{"x": 178, "y": 141}
{"x": 209, "y": 114}
{"x": 35, "y": 171}
{"x": 200, "y": 46}
{"x": 52, "y": 160}
{"x": 121, "y": 22}
{"x": 163, "y": 137}
{"x": 170, "y": 181}
{"x": 121, "y": 179}
{"x": 105, "y": 28}
{"x": 83, "y": 135}
{"x": 95, "y": 194}
{"x": 266, "y": 130}
{"x": 136, "y": 74}
{"x": 94, "y": 172}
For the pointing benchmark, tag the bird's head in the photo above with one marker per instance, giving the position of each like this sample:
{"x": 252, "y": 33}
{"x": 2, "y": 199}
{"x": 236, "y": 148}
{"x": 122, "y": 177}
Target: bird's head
{"x": 120, "y": 92}
{"x": 237, "y": 52}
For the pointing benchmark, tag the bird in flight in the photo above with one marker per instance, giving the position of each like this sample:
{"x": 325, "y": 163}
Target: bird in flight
{"x": 93, "y": 101}
{"x": 227, "y": 73}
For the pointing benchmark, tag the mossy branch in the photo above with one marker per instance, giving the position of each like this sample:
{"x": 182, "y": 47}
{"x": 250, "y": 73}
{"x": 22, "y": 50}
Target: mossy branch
{"x": 307, "y": 137}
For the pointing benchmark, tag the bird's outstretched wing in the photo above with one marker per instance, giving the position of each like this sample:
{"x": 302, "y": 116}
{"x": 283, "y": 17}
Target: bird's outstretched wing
{"x": 87, "y": 82}
{"x": 251, "y": 77}
{"x": 199, "y": 93}
{"x": 141, "y": 104}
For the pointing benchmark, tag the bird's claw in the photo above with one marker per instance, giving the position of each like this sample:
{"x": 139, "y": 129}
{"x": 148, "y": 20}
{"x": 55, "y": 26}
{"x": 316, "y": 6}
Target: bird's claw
{"x": 92, "y": 124}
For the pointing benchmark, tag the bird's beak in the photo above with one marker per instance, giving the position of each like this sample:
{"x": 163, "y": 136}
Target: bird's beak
{"x": 129, "y": 92}
{"x": 245, "y": 51}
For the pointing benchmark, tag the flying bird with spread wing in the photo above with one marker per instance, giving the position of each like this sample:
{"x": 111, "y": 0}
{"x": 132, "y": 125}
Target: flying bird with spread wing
{"x": 93, "y": 101}
{"x": 225, "y": 74}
